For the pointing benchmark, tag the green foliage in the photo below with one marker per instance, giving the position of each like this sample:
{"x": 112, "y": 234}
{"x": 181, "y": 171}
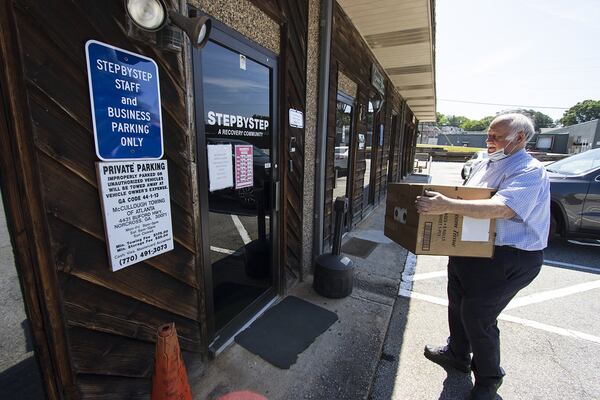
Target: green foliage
{"x": 477, "y": 125}
{"x": 441, "y": 119}
{"x": 456, "y": 120}
{"x": 450, "y": 120}
{"x": 583, "y": 111}
{"x": 540, "y": 120}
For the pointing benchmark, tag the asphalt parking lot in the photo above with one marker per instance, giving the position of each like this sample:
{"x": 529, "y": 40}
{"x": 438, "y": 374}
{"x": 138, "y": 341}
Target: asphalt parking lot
{"x": 550, "y": 333}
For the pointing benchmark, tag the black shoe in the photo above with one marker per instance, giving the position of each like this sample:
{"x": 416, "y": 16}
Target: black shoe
{"x": 484, "y": 392}
{"x": 441, "y": 355}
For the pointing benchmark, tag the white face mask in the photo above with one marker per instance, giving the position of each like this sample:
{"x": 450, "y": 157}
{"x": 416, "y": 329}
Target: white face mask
{"x": 500, "y": 154}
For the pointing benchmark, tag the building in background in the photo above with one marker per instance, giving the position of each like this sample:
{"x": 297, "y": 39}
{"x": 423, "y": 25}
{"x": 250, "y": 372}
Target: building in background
{"x": 569, "y": 139}
{"x": 464, "y": 139}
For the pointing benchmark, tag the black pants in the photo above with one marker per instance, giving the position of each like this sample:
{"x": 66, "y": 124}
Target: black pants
{"x": 478, "y": 290}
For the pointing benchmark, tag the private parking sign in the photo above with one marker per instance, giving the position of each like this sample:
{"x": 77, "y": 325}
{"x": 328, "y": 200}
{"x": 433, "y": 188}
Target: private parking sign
{"x": 125, "y": 101}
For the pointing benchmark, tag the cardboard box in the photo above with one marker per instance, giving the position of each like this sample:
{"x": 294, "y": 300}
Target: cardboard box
{"x": 442, "y": 235}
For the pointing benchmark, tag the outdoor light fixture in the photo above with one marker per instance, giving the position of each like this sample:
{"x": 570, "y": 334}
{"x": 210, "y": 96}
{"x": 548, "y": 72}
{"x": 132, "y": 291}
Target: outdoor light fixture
{"x": 152, "y": 16}
{"x": 377, "y": 103}
{"x": 149, "y": 15}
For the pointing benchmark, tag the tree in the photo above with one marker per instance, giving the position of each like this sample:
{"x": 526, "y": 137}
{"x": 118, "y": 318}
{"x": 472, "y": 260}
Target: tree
{"x": 456, "y": 120}
{"x": 440, "y": 119}
{"x": 477, "y": 125}
{"x": 583, "y": 111}
{"x": 449, "y": 120}
{"x": 540, "y": 120}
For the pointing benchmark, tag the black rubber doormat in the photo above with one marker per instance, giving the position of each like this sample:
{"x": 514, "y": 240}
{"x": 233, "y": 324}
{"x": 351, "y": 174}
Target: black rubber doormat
{"x": 359, "y": 247}
{"x": 286, "y": 330}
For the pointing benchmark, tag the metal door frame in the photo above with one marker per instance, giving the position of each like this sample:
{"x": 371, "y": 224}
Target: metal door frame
{"x": 227, "y": 37}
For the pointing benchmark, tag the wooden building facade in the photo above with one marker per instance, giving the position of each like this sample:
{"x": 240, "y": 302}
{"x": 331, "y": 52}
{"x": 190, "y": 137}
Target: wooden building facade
{"x": 236, "y": 251}
{"x": 380, "y": 135}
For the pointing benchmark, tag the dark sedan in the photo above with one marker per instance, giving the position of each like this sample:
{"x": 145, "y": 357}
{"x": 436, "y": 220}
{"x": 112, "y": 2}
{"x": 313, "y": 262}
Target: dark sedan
{"x": 575, "y": 192}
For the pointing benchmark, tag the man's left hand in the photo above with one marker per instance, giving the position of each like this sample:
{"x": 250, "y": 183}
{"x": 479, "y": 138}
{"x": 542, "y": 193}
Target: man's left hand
{"x": 432, "y": 203}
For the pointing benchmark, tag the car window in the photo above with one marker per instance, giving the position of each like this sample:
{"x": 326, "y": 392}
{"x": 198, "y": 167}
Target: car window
{"x": 577, "y": 164}
{"x": 259, "y": 153}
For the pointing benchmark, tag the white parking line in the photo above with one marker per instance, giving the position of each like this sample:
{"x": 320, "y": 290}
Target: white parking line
{"x": 439, "y": 274}
{"x": 552, "y": 294}
{"x": 241, "y": 230}
{"x": 521, "y": 321}
{"x": 549, "y": 328}
{"x": 597, "y": 244}
{"x": 222, "y": 250}
{"x": 429, "y": 275}
{"x": 571, "y": 266}
{"x": 425, "y": 297}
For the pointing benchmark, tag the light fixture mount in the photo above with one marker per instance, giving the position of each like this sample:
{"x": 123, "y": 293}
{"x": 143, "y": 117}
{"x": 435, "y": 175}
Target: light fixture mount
{"x": 153, "y": 16}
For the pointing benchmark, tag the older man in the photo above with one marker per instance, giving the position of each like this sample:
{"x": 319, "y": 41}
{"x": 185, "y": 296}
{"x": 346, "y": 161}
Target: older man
{"x": 480, "y": 288}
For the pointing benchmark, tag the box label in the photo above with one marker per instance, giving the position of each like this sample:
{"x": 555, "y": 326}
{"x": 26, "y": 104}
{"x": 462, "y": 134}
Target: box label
{"x": 427, "y": 229}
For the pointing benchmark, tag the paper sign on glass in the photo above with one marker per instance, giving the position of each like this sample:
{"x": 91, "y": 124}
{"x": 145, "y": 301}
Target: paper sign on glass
{"x": 220, "y": 166}
{"x": 475, "y": 230}
{"x": 244, "y": 174}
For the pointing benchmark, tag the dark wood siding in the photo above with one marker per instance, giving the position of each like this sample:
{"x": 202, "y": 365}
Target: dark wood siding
{"x": 110, "y": 318}
{"x": 101, "y": 325}
{"x": 295, "y": 13}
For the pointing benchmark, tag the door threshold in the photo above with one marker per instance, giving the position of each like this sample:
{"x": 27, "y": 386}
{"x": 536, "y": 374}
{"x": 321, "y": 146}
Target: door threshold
{"x": 218, "y": 345}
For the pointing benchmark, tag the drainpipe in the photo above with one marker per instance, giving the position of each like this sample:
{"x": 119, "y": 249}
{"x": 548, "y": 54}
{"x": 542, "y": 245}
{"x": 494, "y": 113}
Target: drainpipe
{"x": 326, "y": 22}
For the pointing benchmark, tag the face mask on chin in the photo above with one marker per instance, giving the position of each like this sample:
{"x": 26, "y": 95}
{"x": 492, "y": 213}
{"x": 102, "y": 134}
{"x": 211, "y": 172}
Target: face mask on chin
{"x": 498, "y": 155}
{"x": 501, "y": 154}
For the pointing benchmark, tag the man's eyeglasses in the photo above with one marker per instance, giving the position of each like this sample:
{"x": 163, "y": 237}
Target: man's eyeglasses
{"x": 495, "y": 138}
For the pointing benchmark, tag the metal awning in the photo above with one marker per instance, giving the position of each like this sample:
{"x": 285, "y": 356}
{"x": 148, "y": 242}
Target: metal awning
{"x": 401, "y": 34}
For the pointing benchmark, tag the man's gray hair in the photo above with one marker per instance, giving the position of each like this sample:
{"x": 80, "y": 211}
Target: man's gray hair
{"x": 516, "y": 123}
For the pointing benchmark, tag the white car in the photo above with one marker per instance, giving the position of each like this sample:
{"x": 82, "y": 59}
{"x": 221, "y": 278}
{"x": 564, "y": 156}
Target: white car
{"x": 472, "y": 162}
{"x": 341, "y": 157}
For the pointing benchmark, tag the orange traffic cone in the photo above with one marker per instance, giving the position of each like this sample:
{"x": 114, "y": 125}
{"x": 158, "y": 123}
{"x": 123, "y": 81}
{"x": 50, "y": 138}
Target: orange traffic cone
{"x": 169, "y": 381}
{"x": 242, "y": 395}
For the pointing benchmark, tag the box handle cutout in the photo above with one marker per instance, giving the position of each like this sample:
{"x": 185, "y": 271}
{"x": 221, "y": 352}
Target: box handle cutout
{"x": 400, "y": 214}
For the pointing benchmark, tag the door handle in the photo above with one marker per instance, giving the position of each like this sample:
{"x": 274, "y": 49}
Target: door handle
{"x": 277, "y": 196}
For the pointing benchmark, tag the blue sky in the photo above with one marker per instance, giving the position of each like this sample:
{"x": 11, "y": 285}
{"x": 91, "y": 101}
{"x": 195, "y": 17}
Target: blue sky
{"x": 527, "y": 52}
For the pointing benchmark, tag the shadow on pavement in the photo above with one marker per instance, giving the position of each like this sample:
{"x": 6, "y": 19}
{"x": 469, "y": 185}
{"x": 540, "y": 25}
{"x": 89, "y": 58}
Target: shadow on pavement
{"x": 573, "y": 255}
{"x": 456, "y": 385}
{"x": 387, "y": 369}
{"x": 22, "y": 381}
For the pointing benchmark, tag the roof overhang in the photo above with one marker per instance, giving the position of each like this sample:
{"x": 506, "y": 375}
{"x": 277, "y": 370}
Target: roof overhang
{"x": 401, "y": 35}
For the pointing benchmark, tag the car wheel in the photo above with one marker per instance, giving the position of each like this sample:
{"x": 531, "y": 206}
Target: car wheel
{"x": 555, "y": 227}
{"x": 246, "y": 196}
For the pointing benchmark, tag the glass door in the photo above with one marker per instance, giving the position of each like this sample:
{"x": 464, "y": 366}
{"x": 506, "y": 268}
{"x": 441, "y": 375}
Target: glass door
{"x": 368, "y": 151}
{"x": 237, "y": 85}
{"x": 342, "y": 151}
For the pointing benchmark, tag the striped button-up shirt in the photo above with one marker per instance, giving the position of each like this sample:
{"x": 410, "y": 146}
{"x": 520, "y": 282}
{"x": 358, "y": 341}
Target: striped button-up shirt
{"x": 522, "y": 185}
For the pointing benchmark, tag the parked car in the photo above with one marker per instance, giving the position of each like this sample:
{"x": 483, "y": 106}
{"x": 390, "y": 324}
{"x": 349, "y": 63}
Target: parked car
{"x": 575, "y": 193}
{"x": 472, "y": 162}
{"x": 341, "y": 158}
